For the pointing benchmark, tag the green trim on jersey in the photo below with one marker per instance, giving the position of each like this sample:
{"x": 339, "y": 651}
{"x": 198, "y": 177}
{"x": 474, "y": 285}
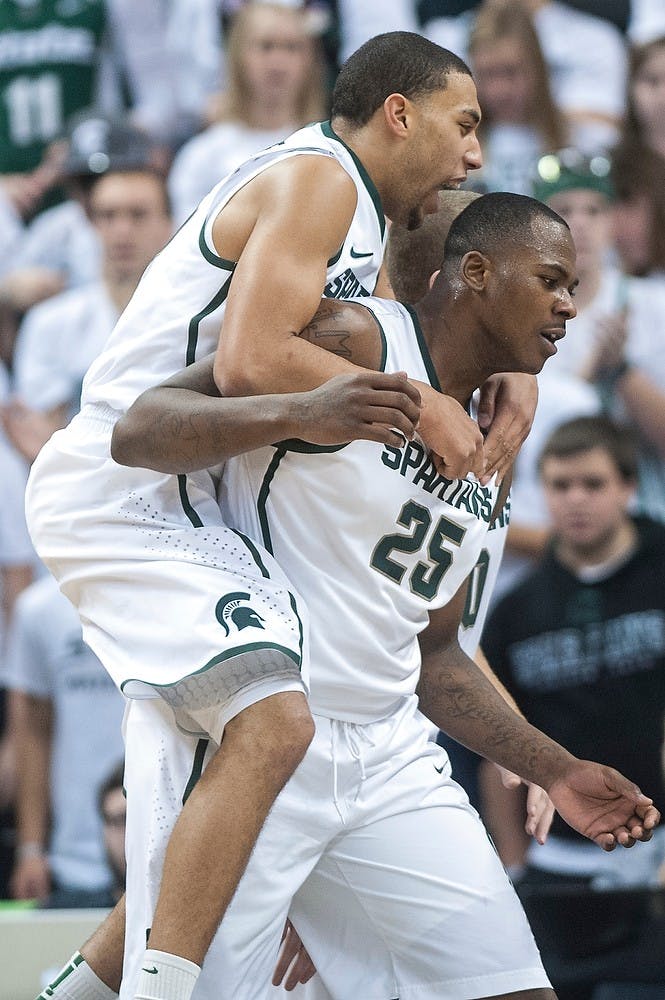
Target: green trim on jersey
{"x": 254, "y": 551}
{"x": 330, "y": 133}
{"x": 186, "y": 503}
{"x": 424, "y": 349}
{"x": 262, "y": 499}
{"x": 197, "y": 768}
{"x": 194, "y": 323}
{"x": 301, "y": 631}
{"x": 382, "y": 333}
{"x": 333, "y": 260}
{"x": 210, "y": 256}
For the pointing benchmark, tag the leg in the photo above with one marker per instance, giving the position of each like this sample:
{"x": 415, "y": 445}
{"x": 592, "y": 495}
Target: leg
{"x": 103, "y": 951}
{"x": 412, "y": 893}
{"x": 227, "y": 808}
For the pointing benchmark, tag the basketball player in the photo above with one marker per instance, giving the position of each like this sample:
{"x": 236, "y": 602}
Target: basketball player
{"x": 388, "y": 873}
{"x": 146, "y": 559}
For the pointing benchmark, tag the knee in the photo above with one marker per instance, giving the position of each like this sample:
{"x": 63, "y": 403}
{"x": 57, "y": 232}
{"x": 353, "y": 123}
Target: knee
{"x": 279, "y": 729}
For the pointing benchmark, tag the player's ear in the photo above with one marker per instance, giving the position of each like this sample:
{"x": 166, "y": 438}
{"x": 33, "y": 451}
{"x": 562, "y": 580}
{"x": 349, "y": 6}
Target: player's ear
{"x": 433, "y": 276}
{"x": 475, "y": 269}
{"x": 397, "y": 113}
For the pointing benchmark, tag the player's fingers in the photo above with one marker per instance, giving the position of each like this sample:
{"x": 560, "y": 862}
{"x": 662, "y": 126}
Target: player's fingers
{"x": 393, "y": 382}
{"x": 624, "y": 839}
{"x": 649, "y": 815}
{"x": 290, "y": 947}
{"x": 382, "y": 434}
{"x": 606, "y": 841}
{"x": 465, "y": 458}
{"x": 508, "y": 778}
{"x": 500, "y": 450}
{"x": 398, "y": 413}
{"x": 540, "y": 813}
{"x": 487, "y": 403}
{"x": 301, "y": 971}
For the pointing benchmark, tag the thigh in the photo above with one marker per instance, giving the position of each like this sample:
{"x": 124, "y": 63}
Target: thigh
{"x": 169, "y": 597}
{"x": 417, "y": 903}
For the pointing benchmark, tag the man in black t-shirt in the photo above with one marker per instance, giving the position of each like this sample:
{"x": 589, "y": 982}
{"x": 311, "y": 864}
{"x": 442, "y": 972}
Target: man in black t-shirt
{"x": 580, "y": 643}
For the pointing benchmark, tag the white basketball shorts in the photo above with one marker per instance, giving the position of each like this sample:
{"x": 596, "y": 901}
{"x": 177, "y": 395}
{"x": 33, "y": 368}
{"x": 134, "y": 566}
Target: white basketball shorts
{"x": 171, "y": 600}
{"x": 371, "y": 848}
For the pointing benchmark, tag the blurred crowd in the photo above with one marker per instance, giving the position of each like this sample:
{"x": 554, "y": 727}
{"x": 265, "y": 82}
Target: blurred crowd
{"x": 115, "y": 119}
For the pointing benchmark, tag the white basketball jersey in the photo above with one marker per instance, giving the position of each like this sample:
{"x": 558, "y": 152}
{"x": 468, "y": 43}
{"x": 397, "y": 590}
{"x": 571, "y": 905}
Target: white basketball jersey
{"x": 373, "y": 538}
{"x": 481, "y": 582}
{"x": 175, "y": 315}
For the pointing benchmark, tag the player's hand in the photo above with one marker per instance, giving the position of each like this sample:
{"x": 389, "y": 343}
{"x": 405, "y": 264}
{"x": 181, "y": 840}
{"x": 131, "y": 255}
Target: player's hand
{"x": 506, "y": 410}
{"x": 370, "y": 406}
{"x": 31, "y": 878}
{"x": 294, "y": 965}
{"x": 539, "y": 806}
{"x": 601, "y": 804}
{"x": 454, "y": 439}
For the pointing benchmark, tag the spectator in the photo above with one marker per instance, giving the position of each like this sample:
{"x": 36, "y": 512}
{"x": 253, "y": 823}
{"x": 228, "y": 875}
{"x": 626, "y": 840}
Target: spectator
{"x": 58, "y": 59}
{"x": 580, "y": 644}
{"x": 60, "y": 249}
{"x": 615, "y": 344}
{"x": 113, "y": 811}
{"x": 61, "y": 337}
{"x": 274, "y": 86}
{"x": 17, "y": 562}
{"x": 67, "y": 716}
{"x": 520, "y": 119}
{"x": 644, "y": 124}
{"x": 585, "y": 55}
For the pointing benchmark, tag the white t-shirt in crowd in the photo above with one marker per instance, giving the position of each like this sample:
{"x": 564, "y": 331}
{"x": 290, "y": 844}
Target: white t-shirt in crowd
{"x": 58, "y": 341}
{"x": 207, "y": 158}
{"x": 47, "y": 658}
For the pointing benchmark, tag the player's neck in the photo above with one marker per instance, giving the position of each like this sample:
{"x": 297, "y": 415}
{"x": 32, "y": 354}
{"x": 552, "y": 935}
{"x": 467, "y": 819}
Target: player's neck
{"x": 459, "y": 366}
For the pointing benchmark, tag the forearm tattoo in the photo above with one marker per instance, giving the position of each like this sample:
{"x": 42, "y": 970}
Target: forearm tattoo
{"x": 459, "y": 699}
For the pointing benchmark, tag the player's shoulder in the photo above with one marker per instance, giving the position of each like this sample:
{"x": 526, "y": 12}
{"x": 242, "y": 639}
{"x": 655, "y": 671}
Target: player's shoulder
{"x": 385, "y": 310}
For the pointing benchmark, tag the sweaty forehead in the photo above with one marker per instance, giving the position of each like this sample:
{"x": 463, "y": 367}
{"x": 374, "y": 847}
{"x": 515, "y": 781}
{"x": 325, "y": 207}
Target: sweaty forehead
{"x": 551, "y": 240}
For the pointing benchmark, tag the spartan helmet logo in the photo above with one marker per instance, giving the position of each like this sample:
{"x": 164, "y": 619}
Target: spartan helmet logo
{"x": 232, "y": 609}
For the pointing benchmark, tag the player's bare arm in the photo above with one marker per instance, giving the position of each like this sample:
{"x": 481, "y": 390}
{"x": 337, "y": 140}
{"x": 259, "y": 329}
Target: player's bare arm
{"x": 184, "y": 425}
{"x": 595, "y": 800}
{"x": 286, "y": 225}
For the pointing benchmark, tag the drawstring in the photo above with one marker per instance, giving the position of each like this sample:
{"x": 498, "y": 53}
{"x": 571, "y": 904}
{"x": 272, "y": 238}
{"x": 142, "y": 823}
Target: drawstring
{"x": 333, "y": 753}
{"x": 354, "y": 736}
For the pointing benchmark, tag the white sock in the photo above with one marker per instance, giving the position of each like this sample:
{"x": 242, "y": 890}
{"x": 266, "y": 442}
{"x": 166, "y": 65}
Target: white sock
{"x": 77, "y": 981}
{"x": 166, "y": 977}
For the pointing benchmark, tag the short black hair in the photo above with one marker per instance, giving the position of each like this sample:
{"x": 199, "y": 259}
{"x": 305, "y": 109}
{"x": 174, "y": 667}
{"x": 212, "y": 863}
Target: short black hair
{"x": 400, "y": 62}
{"x": 493, "y": 220}
{"x": 584, "y": 433}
